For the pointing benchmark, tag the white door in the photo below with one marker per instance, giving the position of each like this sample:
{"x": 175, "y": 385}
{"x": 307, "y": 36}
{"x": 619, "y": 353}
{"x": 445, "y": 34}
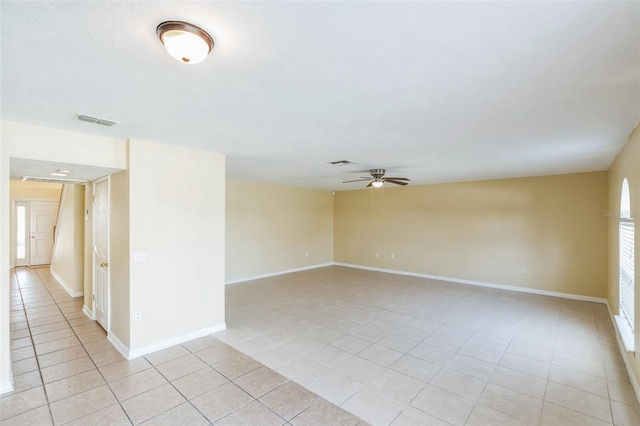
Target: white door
{"x": 43, "y": 221}
{"x": 101, "y": 252}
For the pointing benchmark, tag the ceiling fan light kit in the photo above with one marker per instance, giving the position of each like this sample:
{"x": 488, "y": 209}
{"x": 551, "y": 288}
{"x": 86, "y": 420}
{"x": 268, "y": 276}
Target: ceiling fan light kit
{"x": 379, "y": 179}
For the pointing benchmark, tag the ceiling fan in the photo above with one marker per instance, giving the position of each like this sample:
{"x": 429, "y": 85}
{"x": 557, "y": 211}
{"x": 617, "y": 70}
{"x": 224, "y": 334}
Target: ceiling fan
{"x": 379, "y": 179}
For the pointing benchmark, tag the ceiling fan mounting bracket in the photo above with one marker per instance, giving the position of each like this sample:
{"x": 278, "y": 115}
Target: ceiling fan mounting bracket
{"x": 377, "y": 173}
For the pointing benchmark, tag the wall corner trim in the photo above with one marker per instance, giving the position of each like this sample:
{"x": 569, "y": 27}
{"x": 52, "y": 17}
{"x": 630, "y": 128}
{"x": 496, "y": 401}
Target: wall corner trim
{"x": 6, "y": 387}
{"x": 88, "y": 312}
{"x": 480, "y": 283}
{"x": 273, "y": 274}
{"x": 138, "y": 352}
{"x": 65, "y": 285}
{"x": 632, "y": 377}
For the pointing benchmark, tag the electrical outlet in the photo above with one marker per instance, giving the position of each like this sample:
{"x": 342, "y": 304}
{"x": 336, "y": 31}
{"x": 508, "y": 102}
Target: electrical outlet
{"x": 138, "y": 316}
{"x": 306, "y": 253}
{"x": 139, "y": 257}
{"x": 377, "y": 254}
{"x": 393, "y": 256}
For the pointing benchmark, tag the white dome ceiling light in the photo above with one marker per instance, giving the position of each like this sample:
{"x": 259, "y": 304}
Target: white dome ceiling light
{"x": 185, "y": 42}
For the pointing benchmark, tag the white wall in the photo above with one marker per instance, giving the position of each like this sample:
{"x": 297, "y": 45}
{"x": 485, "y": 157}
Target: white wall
{"x": 67, "y": 260}
{"x": 46, "y": 144}
{"x": 177, "y": 217}
{"x": 6, "y": 377}
{"x": 119, "y": 258}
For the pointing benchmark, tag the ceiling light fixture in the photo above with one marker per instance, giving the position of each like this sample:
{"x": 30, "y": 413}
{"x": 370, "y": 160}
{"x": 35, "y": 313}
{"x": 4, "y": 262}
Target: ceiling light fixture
{"x": 376, "y": 183}
{"x": 185, "y": 42}
{"x": 61, "y": 173}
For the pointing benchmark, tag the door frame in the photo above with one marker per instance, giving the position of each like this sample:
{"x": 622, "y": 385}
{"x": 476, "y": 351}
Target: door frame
{"x": 13, "y": 227}
{"x": 93, "y": 251}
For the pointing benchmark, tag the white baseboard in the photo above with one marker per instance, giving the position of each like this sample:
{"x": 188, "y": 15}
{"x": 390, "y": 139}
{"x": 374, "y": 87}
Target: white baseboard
{"x": 6, "y": 387}
{"x": 479, "y": 283}
{"x": 625, "y": 357}
{"x": 65, "y": 285}
{"x": 88, "y": 313}
{"x": 121, "y": 347}
{"x": 135, "y": 353}
{"x": 273, "y": 274}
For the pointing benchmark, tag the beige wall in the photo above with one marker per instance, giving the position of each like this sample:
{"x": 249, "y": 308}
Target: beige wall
{"x": 484, "y": 231}
{"x": 626, "y": 165}
{"x": 176, "y": 217}
{"x": 67, "y": 260}
{"x": 34, "y": 190}
{"x": 20, "y": 190}
{"x": 119, "y": 257}
{"x": 272, "y": 228}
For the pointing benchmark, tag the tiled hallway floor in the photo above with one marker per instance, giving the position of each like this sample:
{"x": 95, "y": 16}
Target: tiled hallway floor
{"x": 66, "y": 372}
{"x": 408, "y": 351}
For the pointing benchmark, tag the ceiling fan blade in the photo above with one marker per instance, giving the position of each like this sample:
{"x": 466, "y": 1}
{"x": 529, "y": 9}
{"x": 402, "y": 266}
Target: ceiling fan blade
{"x": 397, "y": 182}
{"x": 395, "y": 178}
{"x": 357, "y": 180}
{"x": 370, "y": 184}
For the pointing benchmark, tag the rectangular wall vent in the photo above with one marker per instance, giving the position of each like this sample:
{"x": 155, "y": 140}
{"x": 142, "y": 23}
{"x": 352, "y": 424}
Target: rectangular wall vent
{"x": 341, "y": 162}
{"x": 52, "y": 180}
{"x": 95, "y": 120}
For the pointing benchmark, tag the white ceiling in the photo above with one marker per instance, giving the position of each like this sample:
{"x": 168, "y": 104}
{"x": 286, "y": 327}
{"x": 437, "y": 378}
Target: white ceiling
{"x": 435, "y": 91}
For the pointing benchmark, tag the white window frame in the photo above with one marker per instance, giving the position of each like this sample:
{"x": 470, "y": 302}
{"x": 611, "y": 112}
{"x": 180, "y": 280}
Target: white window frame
{"x": 626, "y": 259}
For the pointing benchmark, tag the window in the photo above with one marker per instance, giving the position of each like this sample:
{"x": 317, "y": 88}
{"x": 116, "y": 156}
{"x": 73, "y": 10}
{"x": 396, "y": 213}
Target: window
{"x": 21, "y": 232}
{"x": 626, "y": 256}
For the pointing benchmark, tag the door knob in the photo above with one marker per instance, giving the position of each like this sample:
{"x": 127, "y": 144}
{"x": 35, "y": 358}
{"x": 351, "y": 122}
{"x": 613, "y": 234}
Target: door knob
{"x": 104, "y": 264}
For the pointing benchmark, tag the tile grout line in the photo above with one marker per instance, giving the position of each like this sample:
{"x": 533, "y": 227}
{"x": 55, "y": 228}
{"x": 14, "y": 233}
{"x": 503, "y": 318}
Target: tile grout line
{"x": 35, "y": 354}
{"x": 76, "y": 335}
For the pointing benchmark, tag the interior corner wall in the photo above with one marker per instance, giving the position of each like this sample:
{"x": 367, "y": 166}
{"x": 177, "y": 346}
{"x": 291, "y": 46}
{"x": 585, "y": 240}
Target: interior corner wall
{"x": 488, "y": 231}
{"x": 177, "y": 219}
{"x": 626, "y": 165}
{"x": 67, "y": 260}
{"x": 119, "y": 258}
{"x": 275, "y": 228}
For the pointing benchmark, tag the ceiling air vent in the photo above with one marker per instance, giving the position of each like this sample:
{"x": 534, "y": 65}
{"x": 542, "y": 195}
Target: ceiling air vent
{"x": 341, "y": 162}
{"x": 52, "y": 180}
{"x": 95, "y": 120}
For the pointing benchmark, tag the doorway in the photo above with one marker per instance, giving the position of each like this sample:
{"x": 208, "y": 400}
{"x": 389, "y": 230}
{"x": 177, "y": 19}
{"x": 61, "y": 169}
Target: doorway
{"x": 101, "y": 252}
{"x": 35, "y": 223}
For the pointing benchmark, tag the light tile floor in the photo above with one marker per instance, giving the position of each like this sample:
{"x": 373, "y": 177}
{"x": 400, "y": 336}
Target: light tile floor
{"x": 408, "y": 351}
{"x": 389, "y": 349}
{"x": 66, "y": 372}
